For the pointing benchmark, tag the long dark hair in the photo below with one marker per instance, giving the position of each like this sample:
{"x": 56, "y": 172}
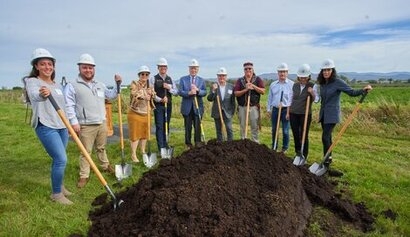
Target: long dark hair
{"x": 34, "y": 72}
{"x": 321, "y": 80}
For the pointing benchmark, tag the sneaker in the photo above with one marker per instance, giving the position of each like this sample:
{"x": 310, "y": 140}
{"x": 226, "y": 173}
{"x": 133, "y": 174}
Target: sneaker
{"x": 82, "y": 182}
{"x": 60, "y": 198}
{"x": 65, "y": 191}
{"x": 109, "y": 170}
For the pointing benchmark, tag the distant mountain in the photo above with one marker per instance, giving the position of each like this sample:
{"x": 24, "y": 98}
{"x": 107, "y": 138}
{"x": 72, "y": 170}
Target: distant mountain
{"x": 359, "y": 76}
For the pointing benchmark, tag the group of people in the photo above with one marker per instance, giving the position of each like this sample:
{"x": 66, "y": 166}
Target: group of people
{"x": 83, "y": 102}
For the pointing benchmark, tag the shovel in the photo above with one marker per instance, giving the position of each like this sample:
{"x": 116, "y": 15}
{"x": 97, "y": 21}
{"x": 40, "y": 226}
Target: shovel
{"x": 168, "y": 151}
{"x": 80, "y": 145}
{"x": 248, "y": 104}
{"x": 200, "y": 120}
{"x": 275, "y": 144}
{"x": 320, "y": 169}
{"x": 123, "y": 170}
{"x": 150, "y": 159}
{"x": 221, "y": 118}
{"x": 300, "y": 159}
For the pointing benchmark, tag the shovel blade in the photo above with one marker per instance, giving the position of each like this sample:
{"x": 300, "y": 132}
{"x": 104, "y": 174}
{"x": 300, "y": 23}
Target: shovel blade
{"x": 299, "y": 160}
{"x": 318, "y": 169}
{"x": 166, "y": 153}
{"x": 170, "y": 152}
{"x": 123, "y": 171}
{"x": 149, "y": 159}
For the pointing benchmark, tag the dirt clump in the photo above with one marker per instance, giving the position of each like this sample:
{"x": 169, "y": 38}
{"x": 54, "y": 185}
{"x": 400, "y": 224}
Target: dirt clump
{"x": 237, "y": 188}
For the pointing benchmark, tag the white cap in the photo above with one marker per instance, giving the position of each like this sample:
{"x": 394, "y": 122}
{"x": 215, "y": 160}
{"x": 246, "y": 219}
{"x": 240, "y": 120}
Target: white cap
{"x": 86, "y": 59}
{"x": 162, "y": 62}
{"x": 328, "y": 63}
{"x": 222, "y": 71}
{"x": 143, "y": 69}
{"x": 194, "y": 63}
{"x": 41, "y": 53}
{"x": 303, "y": 71}
{"x": 282, "y": 67}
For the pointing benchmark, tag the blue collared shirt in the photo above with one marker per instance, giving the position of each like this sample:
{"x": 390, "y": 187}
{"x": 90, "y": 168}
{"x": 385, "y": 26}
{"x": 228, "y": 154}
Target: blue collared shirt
{"x": 275, "y": 90}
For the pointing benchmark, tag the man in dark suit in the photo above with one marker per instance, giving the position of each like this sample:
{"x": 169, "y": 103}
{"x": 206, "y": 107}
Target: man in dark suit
{"x": 223, "y": 92}
{"x": 192, "y": 89}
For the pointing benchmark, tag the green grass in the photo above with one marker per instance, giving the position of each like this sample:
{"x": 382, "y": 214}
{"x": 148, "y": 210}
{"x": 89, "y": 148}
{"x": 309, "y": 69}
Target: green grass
{"x": 373, "y": 154}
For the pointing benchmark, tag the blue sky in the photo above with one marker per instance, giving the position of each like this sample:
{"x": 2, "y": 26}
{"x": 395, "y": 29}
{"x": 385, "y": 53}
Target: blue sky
{"x": 361, "y": 36}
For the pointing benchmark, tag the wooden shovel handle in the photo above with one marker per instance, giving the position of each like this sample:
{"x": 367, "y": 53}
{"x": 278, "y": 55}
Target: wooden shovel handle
{"x": 77, "y": 140}
{"x": 345, "y": 125}
{"x": 220, "y": 113}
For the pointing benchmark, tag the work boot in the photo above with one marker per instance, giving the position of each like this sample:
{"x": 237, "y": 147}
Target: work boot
{"x": 109, "y": 170}
{"x": 82, "y": 182}
{"x": 65, "y": 191}
{"x": 60, "y": 198}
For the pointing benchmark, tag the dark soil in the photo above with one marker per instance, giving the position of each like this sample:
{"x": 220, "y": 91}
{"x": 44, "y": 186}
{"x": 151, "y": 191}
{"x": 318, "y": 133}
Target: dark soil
{"x": 237, "y": 188}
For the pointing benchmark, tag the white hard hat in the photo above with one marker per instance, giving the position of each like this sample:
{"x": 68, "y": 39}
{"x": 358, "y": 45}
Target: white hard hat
{"x": 303, "y": 71}
{"x": 162, "y": 62}
{"x": 222, "y": 71}
{"x": 282, "y": 67}
{"x": 143, "y": 69}
{"x": 86, "y": 59}
{"x": 41, "y": 53}
{"x": 194, "y": 63}
{"x": 328, "y": 63}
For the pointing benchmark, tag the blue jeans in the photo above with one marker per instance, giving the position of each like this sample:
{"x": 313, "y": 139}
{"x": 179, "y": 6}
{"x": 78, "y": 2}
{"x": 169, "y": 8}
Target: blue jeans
{"x": 159, "y": 114}
{"x": 55, "y": 142}
{"x": 285, "y": 128}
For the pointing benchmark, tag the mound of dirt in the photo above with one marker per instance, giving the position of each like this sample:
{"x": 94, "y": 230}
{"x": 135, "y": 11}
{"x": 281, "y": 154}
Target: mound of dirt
{"x": 237, "y": 188}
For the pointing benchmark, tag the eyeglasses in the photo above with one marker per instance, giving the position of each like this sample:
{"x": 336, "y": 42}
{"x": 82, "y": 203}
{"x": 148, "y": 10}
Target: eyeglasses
{"x": 247, "y": 69}
{"x": 144, "y": 74}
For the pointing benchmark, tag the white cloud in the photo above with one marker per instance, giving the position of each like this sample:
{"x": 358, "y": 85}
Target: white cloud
{"x": 125, "y": 34}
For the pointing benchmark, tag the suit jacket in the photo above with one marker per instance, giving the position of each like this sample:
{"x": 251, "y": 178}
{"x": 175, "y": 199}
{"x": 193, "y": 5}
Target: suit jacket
{"x": 228, "y": 104}
{"x": 187, "y": 103}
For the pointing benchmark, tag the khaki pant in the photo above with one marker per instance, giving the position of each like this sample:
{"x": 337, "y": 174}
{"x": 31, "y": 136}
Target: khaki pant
{"x": 93, "y": 136}
{"x": 252, "y": 120}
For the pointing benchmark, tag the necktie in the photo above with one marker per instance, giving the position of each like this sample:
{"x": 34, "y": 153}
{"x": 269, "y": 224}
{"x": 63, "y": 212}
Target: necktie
{"x": 193, "y": 80}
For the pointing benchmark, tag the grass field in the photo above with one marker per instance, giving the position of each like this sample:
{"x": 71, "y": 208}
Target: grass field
{"x": 374, "y": 155}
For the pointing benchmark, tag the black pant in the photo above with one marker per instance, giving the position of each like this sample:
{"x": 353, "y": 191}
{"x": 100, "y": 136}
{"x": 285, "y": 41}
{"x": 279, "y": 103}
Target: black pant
{"x": 327, "y": 129}
{"x": 189, "y": 120}
{"x": 296, "y": 123}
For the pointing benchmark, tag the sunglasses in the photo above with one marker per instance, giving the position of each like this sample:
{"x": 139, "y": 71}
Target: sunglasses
{"x": 144, "y": 74}
{"x": 247, "y": 69}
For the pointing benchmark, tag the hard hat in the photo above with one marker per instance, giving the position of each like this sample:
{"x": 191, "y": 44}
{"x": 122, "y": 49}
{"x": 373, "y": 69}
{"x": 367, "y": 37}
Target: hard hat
{"x": 162, "y": 62}
{"x": 194, "y": 63}
{"x": 222, "y": 71}
{"x": 86, "y": 59}
{"x": 41, "y": 53}
{"x": 282, "y": 67}
{"x": 143, "y": 69}
{"x": 303, "y": 71}
{"x": 328, "y": 63}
